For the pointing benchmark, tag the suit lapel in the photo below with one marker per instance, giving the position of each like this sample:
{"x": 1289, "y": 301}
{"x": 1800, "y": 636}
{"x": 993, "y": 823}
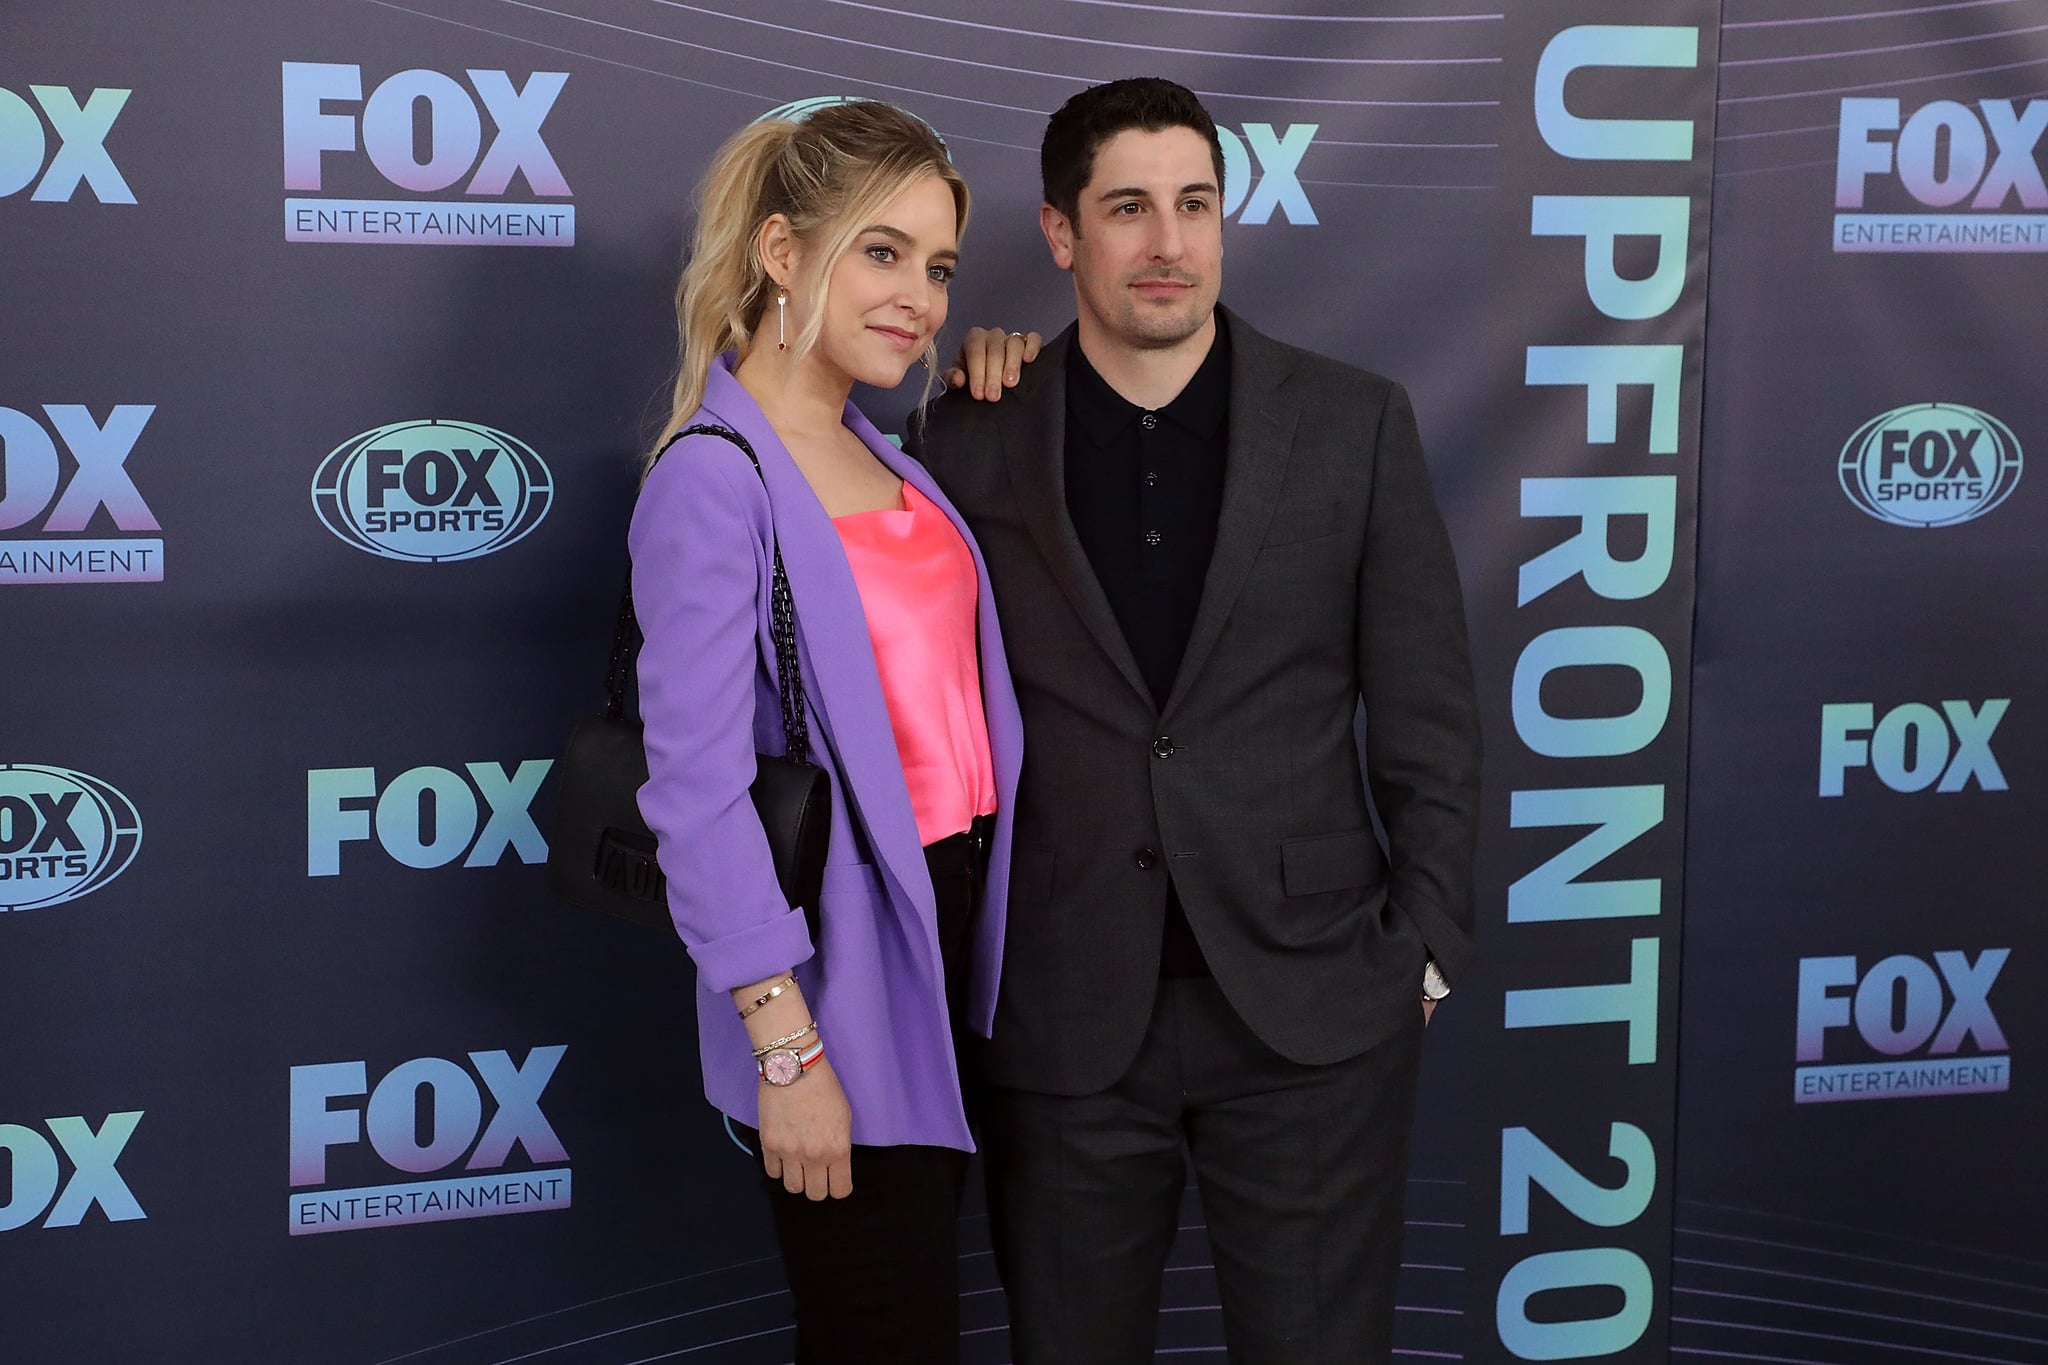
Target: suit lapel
{"x": 1261, "y": 440}
{"x": 841, "y": 684}
{"x": 1034, "y": 447}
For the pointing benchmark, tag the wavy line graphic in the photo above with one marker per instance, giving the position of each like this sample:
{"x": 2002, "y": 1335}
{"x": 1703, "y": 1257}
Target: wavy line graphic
{"x": 1929, "y": 45}
{"x": 1043, "y": 36}
{"x": 1893, "y": 84}
{"x": 1770, "y": 1286}
{"x": 1860, "y": 1313}
{"x": 1423, "y": 104}
{"x": 1774, "y": 1216}
{"x": 1731, "y": 26}
{"x": 749, "y": 1287}
{"x": 1070, "y": 78}
{"x": 1941, "y": 1353}
{"x": 1287, "y": 18}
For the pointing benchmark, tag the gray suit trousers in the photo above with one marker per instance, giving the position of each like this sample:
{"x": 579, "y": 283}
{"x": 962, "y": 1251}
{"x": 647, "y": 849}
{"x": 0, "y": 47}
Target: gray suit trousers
{"x": 1301, "y": 1170}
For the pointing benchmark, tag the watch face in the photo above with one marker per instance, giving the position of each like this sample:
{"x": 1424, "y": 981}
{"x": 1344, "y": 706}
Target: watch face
{"x": 781, "y": 1068}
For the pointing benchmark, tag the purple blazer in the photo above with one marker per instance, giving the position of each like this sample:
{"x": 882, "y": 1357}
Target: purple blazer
{"x": 701, "y": 570}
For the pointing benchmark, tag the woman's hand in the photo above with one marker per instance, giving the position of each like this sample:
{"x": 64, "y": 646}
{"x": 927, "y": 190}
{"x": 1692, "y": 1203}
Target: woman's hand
{"x": 807, "y": 1134}
{"x": 991, "y": 360}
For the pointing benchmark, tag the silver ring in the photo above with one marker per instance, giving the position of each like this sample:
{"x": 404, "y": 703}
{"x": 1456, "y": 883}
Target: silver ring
{"x": 1018, "y": 335}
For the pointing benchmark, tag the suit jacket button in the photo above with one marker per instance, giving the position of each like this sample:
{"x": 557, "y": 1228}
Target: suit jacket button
{"x": 1162, "y": 747}
{"x": 1147, "y": 859}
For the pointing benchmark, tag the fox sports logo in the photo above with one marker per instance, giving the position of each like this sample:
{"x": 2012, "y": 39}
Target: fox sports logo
{"x": 432, "y": 491}
{"x": 63, "y": 834}
{"x": 1931, "y": 464}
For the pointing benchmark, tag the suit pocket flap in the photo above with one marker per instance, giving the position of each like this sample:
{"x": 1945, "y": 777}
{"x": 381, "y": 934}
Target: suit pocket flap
{"x": 1328, "y": 862}
{"x": 1301, "y": 533}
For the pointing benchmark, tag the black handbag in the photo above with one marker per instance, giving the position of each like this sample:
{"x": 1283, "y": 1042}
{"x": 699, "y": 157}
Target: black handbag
{"x": 601, "y": 853}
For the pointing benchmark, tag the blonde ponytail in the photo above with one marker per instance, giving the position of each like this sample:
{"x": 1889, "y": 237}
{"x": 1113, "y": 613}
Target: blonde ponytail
{"x": 829, "y": 175}
{"x": 724, "y": 287}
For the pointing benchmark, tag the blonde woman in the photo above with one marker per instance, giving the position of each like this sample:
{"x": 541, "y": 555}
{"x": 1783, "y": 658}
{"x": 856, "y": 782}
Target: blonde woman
{"x": 821, "y": 256}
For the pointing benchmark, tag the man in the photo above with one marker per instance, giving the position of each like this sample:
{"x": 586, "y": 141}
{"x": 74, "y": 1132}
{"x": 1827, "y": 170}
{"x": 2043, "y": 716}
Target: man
{"x": 1206, "y": 548}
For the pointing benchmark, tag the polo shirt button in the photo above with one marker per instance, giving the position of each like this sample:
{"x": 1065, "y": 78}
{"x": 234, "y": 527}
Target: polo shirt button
{"x": 1149, "y": 420}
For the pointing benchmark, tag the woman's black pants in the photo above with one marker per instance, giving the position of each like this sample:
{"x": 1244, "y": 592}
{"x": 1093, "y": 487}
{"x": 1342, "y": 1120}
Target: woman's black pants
{"x": 875, "y": 1277}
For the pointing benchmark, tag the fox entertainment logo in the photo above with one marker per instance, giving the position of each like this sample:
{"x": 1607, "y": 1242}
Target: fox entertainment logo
{"x": 34, "y": 482}
{"x": 1912, "y": 1016}
{"x": 63, "y": 835}
{"x": 422, "y": 1117}
{"x": 1974, "y": 165}
{"x": 421, "y": 131}
{"x": 1931, "y": 464}
{"x": 81, "y": 159}
{"x": 37, "y": 1182}
{"x": 425, "y": 817}
{"x": 1913, "y": 747}
{"x": 432, "y": 491}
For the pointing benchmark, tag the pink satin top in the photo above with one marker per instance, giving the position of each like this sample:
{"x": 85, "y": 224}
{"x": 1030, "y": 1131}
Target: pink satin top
{"x": 918, "y": 587}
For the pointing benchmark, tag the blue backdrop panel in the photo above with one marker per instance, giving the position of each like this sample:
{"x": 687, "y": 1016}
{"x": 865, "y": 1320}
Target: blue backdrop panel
{"x": 1583, "y": 604}
{"x": 1859, "y": 1121}
{"x": 333, "y": 332}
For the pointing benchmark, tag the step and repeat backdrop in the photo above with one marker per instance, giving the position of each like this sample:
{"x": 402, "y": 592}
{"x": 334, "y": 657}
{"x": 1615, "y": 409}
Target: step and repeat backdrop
{"x": 331, "y": 333}
{"x": 1859, "y": 1120}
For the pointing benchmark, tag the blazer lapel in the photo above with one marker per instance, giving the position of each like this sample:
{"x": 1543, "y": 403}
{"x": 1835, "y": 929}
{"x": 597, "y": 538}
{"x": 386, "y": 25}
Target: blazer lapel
{"x": 1034, "y": 445}
{"x": 1261, "y": 440}
{"x": 841, "y": 684}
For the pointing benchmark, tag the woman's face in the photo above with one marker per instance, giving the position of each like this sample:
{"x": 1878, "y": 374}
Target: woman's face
{"x": 885, "y": 299}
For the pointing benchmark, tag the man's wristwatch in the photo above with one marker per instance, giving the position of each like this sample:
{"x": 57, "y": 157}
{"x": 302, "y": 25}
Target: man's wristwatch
{"x": 1434, "y": 987}
{"x": 786, "y": 1066}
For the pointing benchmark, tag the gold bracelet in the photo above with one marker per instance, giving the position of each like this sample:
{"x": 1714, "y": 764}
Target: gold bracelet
{"x": 787, "y": 983}
{"x": 786, "y": 1039}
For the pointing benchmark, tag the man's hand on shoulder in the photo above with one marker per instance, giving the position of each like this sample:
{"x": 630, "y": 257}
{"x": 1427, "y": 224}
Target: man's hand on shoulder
{"x": 992, "y": 360}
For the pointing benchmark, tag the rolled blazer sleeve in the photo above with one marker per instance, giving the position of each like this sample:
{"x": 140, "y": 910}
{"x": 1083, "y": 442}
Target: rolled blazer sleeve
{"x": 1421, "y": 709}
{"x": 699, "y": 572}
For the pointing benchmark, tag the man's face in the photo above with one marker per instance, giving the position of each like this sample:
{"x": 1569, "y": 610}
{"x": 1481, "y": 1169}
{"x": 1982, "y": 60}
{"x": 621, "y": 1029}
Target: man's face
{"x": 1146, "y": 242}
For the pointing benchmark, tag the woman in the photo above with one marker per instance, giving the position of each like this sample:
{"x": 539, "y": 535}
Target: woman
{"x": 821, "y": 256}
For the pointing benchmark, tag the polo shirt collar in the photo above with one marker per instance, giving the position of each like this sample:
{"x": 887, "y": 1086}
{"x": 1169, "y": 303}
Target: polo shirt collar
{"x": 1199, "y": 409}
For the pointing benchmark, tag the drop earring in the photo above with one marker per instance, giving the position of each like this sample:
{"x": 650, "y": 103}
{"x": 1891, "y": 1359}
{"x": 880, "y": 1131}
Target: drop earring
{"x": 781, "y": 332}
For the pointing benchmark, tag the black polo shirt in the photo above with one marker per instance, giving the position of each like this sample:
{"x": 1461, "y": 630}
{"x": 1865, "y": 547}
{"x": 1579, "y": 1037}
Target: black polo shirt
{"x": 1144, "y": 489}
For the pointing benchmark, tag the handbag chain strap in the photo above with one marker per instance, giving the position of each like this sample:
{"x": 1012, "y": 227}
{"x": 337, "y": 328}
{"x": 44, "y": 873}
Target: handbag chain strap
{"x": 789, "y": 680}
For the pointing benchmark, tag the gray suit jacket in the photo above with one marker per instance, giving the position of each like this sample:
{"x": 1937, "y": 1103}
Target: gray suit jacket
{"x": 1332, "y": 581}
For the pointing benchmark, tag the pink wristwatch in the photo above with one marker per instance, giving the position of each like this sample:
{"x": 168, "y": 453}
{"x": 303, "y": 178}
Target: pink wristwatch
{"x": 785, "y": 1066}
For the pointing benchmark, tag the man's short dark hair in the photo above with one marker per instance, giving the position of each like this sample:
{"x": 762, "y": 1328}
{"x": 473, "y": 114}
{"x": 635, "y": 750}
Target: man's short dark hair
{"x": 1076, "y": 132}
